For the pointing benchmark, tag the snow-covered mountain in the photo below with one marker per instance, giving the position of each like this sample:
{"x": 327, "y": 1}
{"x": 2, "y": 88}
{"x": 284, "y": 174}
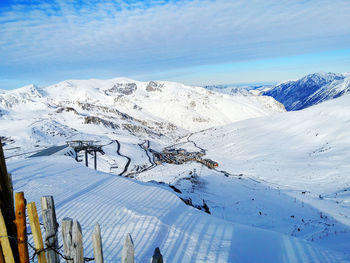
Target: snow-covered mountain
{"x": 187, "y": 107}
{"x": 230, "y": 90}
{"x": 156, "y": 110}
{"x": 283, "y": 173}
{"x": 310, "y": 90}
{"x": 287, "y": 173}
{"x": 240, "y": 90}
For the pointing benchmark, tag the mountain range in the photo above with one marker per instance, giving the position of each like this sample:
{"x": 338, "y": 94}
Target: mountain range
{"x": 310, "y": 90}
{"x": 282, "y": 176}
{"x": 154, "y": 110}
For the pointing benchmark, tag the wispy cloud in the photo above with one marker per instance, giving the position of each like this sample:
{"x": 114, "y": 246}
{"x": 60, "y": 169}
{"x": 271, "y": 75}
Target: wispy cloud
{"x": 135, "y": 37}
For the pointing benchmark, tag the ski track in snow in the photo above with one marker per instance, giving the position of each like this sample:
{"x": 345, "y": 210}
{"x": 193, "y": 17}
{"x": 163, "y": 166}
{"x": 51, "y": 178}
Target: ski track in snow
{"x": 154, "y": 217}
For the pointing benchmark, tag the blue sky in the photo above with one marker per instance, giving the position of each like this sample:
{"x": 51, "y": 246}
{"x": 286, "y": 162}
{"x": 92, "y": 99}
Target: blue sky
{"x": 191, "y": 41}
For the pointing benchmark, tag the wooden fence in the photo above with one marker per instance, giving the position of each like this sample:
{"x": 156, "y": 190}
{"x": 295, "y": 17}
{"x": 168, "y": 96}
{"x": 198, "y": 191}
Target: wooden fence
{"x": 14, "y": 238}
{"x": 46, "y": 248}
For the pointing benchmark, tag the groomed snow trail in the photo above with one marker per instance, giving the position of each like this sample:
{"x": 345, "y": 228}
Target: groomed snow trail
{"x": 155, "y": 218}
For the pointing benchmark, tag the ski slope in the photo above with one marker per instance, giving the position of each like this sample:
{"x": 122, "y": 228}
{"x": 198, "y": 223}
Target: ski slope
{"x": 155, "y": 218}
{"x": 286, "y": 173}
{"x": 303, "y": 154}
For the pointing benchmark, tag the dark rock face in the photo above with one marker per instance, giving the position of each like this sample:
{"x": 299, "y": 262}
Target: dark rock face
{"x": 67, "y": 109}
{"x": 137, "y": 129}
{"x": 204, "y": 207}
{"x": 97, "y": 120}
{"x": 125, "y": 89}
{"x": 307, "y": 91}
{"x": 154, "y": 86}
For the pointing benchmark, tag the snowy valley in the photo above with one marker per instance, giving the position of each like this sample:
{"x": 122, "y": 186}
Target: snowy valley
{"x": 281, "y": 191}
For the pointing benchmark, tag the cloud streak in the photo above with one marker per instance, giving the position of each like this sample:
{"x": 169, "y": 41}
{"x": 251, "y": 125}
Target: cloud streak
{"x": 136, "y": 37}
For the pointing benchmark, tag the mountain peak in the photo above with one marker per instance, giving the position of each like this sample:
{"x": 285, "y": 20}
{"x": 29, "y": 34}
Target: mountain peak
{"x": 310, "y": 89}
{"x": 322, "y": 77}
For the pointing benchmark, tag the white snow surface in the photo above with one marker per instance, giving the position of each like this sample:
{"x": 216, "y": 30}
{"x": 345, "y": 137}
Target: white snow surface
{"x": 155, "y": 218}
{"x": 281, "y": 191}
{"x": 288, "y": 173}
{"x": 302, "y": 154}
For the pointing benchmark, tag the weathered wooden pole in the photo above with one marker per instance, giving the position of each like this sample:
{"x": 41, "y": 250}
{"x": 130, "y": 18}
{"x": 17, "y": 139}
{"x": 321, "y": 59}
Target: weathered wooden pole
{"x": 51, "y": 227}
{"x": 128, "y": 250}
{"x": 77, "y": 241}
{"x": 4, "y": 240}
{"x": 36, "y": 231}
{"x": 2, "y": 260}
{"x": 67, "y": 227}
{"x": 157, "y": 257}
{"x": 21, "y": 227}
{"x": 97, "y": 244}
{"x": 7, "y": 203}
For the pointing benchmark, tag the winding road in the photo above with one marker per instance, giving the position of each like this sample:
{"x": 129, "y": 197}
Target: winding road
{"x": 147, "y": 153}
{"x": 225, "y": 173}
{"x": 141, "y": 145}
{"x": 153, "y": 165}
{"x": 194, "y": 143}
{"x": 128, "y": 158}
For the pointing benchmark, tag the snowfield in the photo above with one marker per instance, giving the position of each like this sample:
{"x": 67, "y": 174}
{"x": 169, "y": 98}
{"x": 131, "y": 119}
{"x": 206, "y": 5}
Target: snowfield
{"x": 302, "y": 154}
{"x": 155, "y": 218}
{"x": 281, "y": 192}
{"x": 288, "y": 173}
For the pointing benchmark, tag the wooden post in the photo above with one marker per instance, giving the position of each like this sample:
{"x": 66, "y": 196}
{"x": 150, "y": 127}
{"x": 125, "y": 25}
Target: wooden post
{"x": 51, "y": 226}
{"x": 36, "y": 231}
{"x": 97, "y": 244}
{"x": 7, "y": 202}
{"x": 157, "y": 257}
{"x": 2, "y": 259}
{"x": 21, "y": 225}
{"x": 67, "y": 225}
{"x": 128, "y": 250}
{"x": 77, "y": 240}
{"x": 4, "y": 240}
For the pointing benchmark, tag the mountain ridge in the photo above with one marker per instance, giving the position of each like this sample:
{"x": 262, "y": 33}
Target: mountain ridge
{"x": 310, "y": 90}
{"x": 159, "y": 110}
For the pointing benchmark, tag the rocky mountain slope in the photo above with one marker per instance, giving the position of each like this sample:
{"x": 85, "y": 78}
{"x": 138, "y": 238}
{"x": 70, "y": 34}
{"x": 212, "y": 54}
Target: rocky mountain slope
{"x": 310, "y": 90}
{"x": 230, "y": 90}
{"x": 160, "y": 111}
